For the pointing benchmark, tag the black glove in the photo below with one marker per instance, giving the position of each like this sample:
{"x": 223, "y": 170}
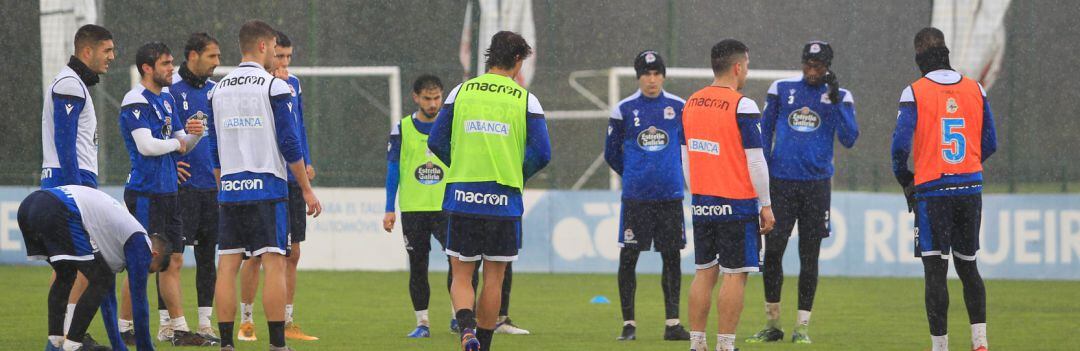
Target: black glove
{"x": 834, "y": 87}
{"x": 907, "y": 181}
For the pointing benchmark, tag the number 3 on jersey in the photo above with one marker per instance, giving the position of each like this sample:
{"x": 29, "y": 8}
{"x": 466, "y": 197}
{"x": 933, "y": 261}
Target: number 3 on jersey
{"x": 953, "y": 144}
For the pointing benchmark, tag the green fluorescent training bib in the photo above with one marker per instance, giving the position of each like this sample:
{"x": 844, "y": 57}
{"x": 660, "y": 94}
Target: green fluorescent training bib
{"x": 488, "y": 138}
{"x": 421, "y": 173}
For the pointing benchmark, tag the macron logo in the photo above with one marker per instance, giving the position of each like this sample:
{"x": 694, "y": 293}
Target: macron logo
{"x": 69, "y": 107}
{"x": 241, "y": 184}
{"x": 709, "y": 147}
{"x": 487, "y": 127}
{"x": 137, "y": 113}
{"x": 481, "y": 198}
{"x": 715, "y": 210}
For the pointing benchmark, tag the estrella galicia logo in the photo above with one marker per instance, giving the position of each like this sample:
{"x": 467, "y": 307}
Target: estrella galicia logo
{"x": 652, "y": 139}
{"x": 804, "y": 120}
{"x": 429, "y": 174}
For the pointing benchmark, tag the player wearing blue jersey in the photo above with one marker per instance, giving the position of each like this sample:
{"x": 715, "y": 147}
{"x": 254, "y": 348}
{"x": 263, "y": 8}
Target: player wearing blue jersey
{"x": 643, "y": 146}
{"x": 249, "y": 275}
{"x": 803, "y": 115}
{"x": 492, "y": 134}
{"x": 945, "y": 125}
{"x": 77, "y": 228}
{"x": 198, "y": 189}
{"x": 154, "y": 137}
{"x": 69, "y": 123}
{"x": 253, "y": 139}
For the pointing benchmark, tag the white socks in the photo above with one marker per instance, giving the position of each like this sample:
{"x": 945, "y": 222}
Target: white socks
{"x": 725, "y": 342}
{"x": 180, "y": 324}
{"x": 772, "y": 315}
{"x": 671, "y": 322}
{"x": 978, "y": 335}
{"x": 68, "y": 316}
{"x": 804, "y": 318}
{"x": 246, "y": 313}
{"x": 125, "y": 325}
{"x": 630, "y": 323}
{"x": 698, "y": 342}
{"x": 941, "y": 343}
{"x": 163, "y": 319}
{"x": 422, "y": 318}
{"x": 204, "y": 317}
{"x": 288, "y": 313}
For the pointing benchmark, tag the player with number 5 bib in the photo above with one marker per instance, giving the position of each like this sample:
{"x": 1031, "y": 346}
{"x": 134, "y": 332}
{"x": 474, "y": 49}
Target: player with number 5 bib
{"x": 949, "y": 118}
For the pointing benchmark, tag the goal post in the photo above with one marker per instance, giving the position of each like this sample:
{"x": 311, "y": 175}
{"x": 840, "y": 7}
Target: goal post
{"x": 392, "y": 74}
{"x": 614, "y": 76}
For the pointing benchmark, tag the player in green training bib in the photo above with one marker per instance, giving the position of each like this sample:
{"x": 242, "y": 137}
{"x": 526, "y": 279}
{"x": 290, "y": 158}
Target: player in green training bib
{"x": 492, "y": 134}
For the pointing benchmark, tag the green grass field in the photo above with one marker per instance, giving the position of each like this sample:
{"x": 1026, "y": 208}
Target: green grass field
{"x": 371, "y": 311}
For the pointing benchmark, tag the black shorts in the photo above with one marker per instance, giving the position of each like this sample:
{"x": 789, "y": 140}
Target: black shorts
{"x": 734, "y": 246}
{"x": 159, "y": 214}
{"x": 419, "y": 227}
{"x": 948, "y": 224}
{"x": 199, "y": 211}
{"x": 254, "y": 228}
{"x": 804, "y": 202}
{"x": 654, "y": 224}
{"x": 297, "y": 214}
{"x": 471, "y": 238}
{"x": 52, "y": 231}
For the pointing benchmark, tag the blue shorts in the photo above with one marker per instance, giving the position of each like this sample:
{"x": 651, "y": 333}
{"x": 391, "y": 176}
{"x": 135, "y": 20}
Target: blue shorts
{"x": 471, "y": 238}
{"x": 254, "y": 228}
{"x": 947, "y": 225}
{"x": 732, "y": 245}
{"x": 159, "y": 214}
{"x": 53, "y": 229}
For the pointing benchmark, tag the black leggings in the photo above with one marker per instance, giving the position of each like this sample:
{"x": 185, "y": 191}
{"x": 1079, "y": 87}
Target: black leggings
{"x": 809, "y": 250}
{"x": 205, "y": 273}
{"x": 99, "y": 277}
{"x": 419, "y": 288}
{"x": 670, "y": 281}
{"x": 936, "y": 272}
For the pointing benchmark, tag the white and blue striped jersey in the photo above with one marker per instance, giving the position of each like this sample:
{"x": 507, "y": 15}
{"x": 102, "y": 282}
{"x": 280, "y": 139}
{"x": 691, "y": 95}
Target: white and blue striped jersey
{"x": 68, "y": 133}
{"x": 253, "y": 134}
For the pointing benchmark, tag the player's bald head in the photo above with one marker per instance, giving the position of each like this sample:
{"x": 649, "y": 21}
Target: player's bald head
{"x": 253, "y": 32}
{"x": 927, "y": 38}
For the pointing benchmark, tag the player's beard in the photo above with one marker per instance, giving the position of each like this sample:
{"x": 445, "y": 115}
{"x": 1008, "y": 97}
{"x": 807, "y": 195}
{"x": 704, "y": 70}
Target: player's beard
{"x": 163, "y": 80}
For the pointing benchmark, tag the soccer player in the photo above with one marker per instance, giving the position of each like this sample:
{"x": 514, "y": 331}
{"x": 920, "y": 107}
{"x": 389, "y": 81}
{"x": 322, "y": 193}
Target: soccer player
{"x": 421, "y": 184}
{"x": 643, "y": 146}
{"x": 253, "y": 136}
{"x": 69, "y": 123}
{"x": 249, "y": 276}
{"x": 154, "y": 137}
{"x": 492, "y": 134}
{"x": 198, "y": 188}
{"x": 78, "y": 228}
{"x": 729, "y": 180}
{"x": 804, "y": 114}
{"x": 949, "y": 118}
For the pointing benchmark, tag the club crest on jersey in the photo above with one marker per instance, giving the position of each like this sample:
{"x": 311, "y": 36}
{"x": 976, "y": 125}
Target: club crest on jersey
{"x": 429, "y": 174}
{"x": 825, "y": 98}
{"x": 951, "y": 106}
{"x": 804, "y": 120}
{"x": 168, "y": 107}
{"x": 292, "y": 91}
{"x": 652, "y": 139}
{"x": 669, "y": 112}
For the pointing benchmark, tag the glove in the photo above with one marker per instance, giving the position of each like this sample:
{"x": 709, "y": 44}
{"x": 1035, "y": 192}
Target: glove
{"x": 907, "y": 181}
{"x": 834, "y": 87}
